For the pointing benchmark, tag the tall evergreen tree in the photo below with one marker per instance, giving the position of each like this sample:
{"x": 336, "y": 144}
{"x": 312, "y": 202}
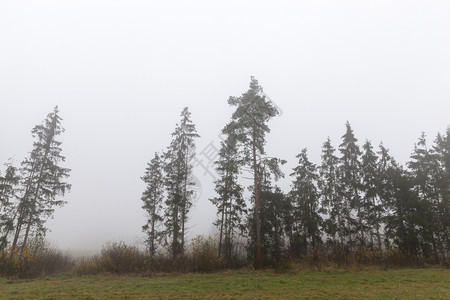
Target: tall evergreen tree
{"x": 42, "y": 180}
{"x": 425, "y": 169}
{"x": 441, "y": 179}
{"x": 275, "y": 207}
{"x": 371, "y": 204}
{"x": 179, "y": 181}
{"x": 305, "y": 200}
{"x": 388, "y": 173}
{"x": 152, "y": 198}
{"x": 230, "y": 202}
{"x": 332, "y": 204}
{"x": 402, "y": 212}
{"x": 351, "y": 185}
{"x": 252, "y": 113}
{"x": 8, "y": 190}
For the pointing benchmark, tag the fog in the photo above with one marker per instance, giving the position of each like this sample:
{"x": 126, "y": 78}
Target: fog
{"x": 122, "y": 71}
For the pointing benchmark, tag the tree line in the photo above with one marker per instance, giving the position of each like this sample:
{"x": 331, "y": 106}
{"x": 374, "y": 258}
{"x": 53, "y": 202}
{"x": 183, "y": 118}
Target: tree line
{"x": 356, "y": 198}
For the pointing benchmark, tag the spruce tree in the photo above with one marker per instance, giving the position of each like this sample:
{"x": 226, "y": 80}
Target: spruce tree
{"x": 178, "y": 169}
{"x": 387, "y": 170}
{"x": 441, "y": 179}
{"x": 305, "y": 202}
{"x": 230, "y": 202}
{"x": 371, "y": 204}
{"x": 350, "y": 186}
{"x": 275, "y": 207}
{"x": 152, "y": 198}
{"x": 402, "y": 212}
{"x": 425, "y": 169}
{"x": 331, "y": 202}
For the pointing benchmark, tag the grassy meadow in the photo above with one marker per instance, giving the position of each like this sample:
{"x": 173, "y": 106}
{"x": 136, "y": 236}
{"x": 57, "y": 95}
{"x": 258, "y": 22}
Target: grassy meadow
{"x": 370, "y": 283}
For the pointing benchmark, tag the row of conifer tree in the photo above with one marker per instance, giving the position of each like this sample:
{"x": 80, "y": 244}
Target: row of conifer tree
{"x": 355, "y": 198}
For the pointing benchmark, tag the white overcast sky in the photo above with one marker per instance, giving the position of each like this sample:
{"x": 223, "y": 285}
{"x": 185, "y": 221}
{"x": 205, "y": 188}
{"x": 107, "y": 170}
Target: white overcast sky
{"x": 121, "y": 72}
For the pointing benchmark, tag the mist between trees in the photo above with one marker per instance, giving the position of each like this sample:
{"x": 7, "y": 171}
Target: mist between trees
{"x": 357, "y": 202}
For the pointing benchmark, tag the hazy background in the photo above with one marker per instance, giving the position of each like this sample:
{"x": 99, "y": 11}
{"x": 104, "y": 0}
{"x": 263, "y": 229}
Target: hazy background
{"x": 121, "y": 72}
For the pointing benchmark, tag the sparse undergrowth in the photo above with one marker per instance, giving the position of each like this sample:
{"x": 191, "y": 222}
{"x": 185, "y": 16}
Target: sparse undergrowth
{"x": 418, "y": 283}
{"x": 201, "y": 256}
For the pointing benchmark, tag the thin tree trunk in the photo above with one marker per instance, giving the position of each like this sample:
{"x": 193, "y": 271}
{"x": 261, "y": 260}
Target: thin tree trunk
{"x": 341, "y": 234}
{"x": 223, "y": 213}
{"x": 360, "y": 221}
{"x": 32, "y": 212}
{"x": 184, "y": 203}
{"x": 433, "y": 242}
{"x": 175, "y": 233}
{"x": 221, "y": 230}
{"x": 258, "y": 246}
{"x": 152, "y": 238}
{"x": 18, "y": 227}
{"x": 230, "y": 230}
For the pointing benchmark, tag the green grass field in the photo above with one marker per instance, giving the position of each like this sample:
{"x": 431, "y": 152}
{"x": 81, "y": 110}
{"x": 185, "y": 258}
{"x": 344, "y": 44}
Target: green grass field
{"x": 423, "y": 283}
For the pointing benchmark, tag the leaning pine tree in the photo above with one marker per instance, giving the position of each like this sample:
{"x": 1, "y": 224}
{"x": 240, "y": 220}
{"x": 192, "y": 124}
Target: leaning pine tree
{"x": 42, "y": 181}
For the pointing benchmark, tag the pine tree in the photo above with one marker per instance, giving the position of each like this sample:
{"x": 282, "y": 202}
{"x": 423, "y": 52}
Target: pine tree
{"x": 305, "y": 200}
{"x": 42, "y": 179}
{"x": 350, "y": 183}
{"x": 252, "y": 113}
{"x": 178, "y": 169}
{"x": 152, "y": 198}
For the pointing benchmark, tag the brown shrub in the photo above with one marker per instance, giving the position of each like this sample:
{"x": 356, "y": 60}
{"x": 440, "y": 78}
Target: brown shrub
{"x": 115, "y": 257}
{"x": 202, "y": 255}
{"x": 38, "y": 259}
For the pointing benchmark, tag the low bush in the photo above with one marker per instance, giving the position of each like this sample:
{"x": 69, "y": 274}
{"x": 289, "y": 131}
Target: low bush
{"x": 115, "y": 257}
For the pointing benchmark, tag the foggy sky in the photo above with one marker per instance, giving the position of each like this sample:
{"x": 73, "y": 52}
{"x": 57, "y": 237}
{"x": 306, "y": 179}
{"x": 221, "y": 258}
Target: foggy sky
{"x": 122, "y": 71}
